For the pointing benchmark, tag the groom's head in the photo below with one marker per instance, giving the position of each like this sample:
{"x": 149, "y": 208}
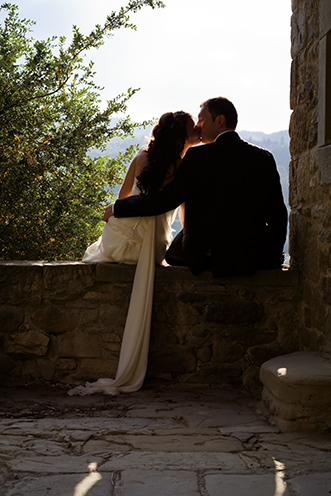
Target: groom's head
{"x": 216, "y": 116}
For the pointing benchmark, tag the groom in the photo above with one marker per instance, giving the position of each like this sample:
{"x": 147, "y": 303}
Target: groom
{"x": 235, "y": 216}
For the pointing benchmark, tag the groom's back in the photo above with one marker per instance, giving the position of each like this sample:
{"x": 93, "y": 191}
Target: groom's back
{"x": 235, "y": 193}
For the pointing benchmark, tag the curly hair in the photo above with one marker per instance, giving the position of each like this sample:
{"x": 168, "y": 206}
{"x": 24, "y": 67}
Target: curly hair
{"x": 167, "y": 142}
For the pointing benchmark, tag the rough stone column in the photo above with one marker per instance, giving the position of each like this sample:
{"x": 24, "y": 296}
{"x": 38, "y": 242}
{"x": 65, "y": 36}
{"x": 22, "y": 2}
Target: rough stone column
{"x": 310, "y": 176}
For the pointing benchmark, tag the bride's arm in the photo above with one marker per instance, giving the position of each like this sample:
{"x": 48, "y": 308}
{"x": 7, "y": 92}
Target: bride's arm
{"x": 181, "y": 214}
{"x": 137, "y": 164}
{"x": 127, "y": 185}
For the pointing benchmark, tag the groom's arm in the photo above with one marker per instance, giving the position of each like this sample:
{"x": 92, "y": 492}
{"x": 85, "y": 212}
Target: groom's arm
{"x": 161, "y": 201}
{"x": 137, "y": 206}
{"x": 173, "y": 195}
{"x": 145, "y": 205}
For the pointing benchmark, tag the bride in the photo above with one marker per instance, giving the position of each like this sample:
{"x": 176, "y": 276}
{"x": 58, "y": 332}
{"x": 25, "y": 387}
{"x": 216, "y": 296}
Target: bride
{"x": 142, "y": 241}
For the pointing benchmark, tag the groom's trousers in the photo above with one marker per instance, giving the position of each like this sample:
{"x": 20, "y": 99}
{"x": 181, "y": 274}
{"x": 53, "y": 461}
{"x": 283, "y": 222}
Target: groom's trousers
{"x": 175, "y": 256}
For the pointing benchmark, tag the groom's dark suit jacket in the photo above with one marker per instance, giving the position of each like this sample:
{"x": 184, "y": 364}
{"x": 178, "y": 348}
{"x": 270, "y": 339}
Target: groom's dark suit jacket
{"x": 234, "y": 207}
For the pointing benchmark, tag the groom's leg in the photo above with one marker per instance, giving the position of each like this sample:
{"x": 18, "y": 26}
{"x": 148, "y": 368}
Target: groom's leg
{"x": 174, "y": 255}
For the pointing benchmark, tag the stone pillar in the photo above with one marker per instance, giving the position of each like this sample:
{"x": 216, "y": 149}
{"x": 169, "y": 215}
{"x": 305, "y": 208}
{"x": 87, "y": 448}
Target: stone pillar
{"x": 310, "y": 167}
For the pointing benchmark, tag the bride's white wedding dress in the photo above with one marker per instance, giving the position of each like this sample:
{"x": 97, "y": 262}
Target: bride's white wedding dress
{"x": 142, "y": 241}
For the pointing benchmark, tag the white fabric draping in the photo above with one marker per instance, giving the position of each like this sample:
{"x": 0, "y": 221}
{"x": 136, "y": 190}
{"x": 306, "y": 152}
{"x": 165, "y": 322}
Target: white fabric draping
{"x": 133, "y": 358}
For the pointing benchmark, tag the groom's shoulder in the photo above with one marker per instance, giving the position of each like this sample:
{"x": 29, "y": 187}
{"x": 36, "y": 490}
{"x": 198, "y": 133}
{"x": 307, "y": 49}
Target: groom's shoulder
{"x": 257, "y": 151}
{"x": 199, "y": 150}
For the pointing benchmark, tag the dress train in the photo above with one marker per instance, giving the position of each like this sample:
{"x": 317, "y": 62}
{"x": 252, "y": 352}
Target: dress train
{"x": 133, "y": 358}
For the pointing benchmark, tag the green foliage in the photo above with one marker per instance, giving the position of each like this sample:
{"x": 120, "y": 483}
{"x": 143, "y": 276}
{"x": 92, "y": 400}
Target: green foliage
{"x": 52, "y": 193}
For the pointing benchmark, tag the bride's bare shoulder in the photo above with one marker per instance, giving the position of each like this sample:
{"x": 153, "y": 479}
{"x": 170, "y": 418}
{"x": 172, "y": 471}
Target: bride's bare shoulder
{"x": 141, "y": 160}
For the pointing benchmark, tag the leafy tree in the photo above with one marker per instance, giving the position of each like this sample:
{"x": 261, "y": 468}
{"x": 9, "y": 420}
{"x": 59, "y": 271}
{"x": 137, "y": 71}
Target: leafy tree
{"x": 52, "y": 192}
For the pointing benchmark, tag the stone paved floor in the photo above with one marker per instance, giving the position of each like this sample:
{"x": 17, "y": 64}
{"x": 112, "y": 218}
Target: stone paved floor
{"x": 156, "y": 442}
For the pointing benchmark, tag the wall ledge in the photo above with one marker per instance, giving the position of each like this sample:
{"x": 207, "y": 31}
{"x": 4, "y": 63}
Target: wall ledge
{"x": 63, "y": 321}
{"x": 108, "y": 271}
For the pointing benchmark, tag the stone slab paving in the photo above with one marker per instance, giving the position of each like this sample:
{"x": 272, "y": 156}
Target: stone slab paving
{"x": 160, "y": 441}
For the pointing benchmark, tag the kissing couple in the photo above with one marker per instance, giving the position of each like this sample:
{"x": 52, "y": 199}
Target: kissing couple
{"x": 231, "y": 208}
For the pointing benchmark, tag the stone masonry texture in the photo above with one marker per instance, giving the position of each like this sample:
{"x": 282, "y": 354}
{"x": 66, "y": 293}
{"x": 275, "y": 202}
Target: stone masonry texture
{"x": 63, "y": 321}
{"x": 310, "y": 184}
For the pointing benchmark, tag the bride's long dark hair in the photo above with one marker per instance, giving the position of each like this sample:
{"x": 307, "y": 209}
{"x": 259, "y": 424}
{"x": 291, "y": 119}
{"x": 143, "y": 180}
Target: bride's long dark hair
{"x": 167, "y": 143}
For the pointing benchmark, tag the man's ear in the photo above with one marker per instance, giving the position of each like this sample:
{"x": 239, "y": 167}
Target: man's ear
{"x": 221, "y": 121}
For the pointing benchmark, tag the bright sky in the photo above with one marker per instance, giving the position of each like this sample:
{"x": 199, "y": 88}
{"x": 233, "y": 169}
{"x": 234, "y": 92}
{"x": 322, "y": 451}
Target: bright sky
{"x": 190, "y": 51}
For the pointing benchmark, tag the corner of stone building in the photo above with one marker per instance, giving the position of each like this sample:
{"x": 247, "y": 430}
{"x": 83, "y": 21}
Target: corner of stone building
{"x": 310, "y": 169}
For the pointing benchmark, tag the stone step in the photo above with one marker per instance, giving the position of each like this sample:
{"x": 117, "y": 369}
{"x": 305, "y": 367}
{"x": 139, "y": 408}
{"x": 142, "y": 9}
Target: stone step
{"x": 297, "y": 390}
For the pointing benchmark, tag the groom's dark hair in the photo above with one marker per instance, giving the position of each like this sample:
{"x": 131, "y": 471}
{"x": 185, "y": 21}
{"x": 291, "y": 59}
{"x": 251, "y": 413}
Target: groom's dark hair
{"x": 222, "y": 106}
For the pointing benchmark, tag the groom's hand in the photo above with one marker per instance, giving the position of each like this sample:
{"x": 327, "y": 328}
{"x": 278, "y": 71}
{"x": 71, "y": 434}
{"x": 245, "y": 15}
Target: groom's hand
{"x": 109, "y": 212}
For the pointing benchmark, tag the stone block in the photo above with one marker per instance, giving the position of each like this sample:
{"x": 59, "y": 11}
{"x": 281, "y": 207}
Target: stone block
{"x": 227, "y": 351}
{"x": 294, "y": 84}
{"x": 299, "y": 227}
{"x": 47, "y": 368}
{"x": 244, "y": 485}
{"x": 67, "y": 364}
{"x": 165, "y": 483}
{"x": 204, "y": 354}
{"x": 251, "y": 378}
{"x": 298, "y": 30}
{"x": 188, "y": 297}
{"x": 172, "y": 275}
{"x": 112, "y": 272}
{"x": 27, "y": 343}
{"x": 251, "y": 335}
{"x": 259, "y": 354}
{"x": 198, "y": 337}
{"x": 298, "y": 387}
{"x": 183, "y": 315}
{"x": 24, "y": 276}
{"x": 176, "y": 314}
{"x": 295, "y": 4}
{"x": 113, "y": 316}
{"x": 306, "y": 93}
{"x": 312, "y": 135}
{"x": 160, "y": 294}
{"x": 112, "y": 347}
{"x": 313, "y": 53}
{"x": 324, "y": 17}
{"x": 324, "y": 160}
{"x": 311, "y": 340}
{"x": 68, "y": 277}
{"x": 43, "y": 368}
{"x": 173, "y": 359}
{"x": 92, "y": 369}
{"x": 79, "y": 344}
{"x": 56, "y": 319}
{"x": 302, "y": 177}
{"x": 108, "y": 292}
{"x": 298, "y": 132}
{"x": 11, "y": 318}
{"x": 313, "y": 28}
{"x": 79, "y": 483}
{"x": 234, "y": 311}
{"x": 311, "y": 484}
{"x": 218, "y": 373}
{"x": 162, "y": 335}
{"x": 6, "y": 364}
{"x": 326, "y": 284}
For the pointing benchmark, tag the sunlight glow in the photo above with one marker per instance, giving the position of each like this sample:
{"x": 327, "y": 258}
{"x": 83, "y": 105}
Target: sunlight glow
{"x": 280, "y": 484}
{"x": 188, "y": 52}
{"x": 282, "y": 372}
{"x": 85, "y": 485}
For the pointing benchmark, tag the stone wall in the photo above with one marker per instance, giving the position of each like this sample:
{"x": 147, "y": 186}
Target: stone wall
{"x": 310, "y": 169}
{"x": 63, "y": 321}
